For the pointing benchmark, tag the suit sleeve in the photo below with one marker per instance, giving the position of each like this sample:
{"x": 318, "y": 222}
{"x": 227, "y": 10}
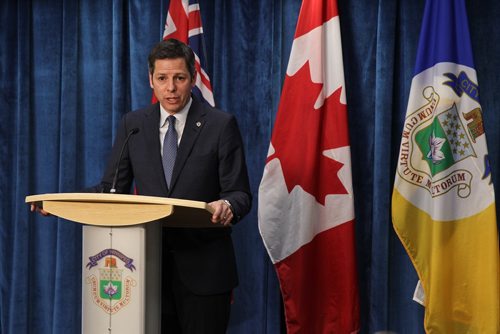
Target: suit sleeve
{"x": 233, "y": 171}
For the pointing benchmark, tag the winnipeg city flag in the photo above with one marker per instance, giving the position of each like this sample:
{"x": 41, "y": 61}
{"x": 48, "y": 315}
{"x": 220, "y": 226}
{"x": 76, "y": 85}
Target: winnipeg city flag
{"x": 306, "y": 210}
{"x": 443, "y": 204}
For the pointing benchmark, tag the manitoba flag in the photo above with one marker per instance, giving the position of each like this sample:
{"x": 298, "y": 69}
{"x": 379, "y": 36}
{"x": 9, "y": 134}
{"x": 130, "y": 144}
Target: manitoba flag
{"x": 306, "y": 210}
{"x": 184, "y": 23}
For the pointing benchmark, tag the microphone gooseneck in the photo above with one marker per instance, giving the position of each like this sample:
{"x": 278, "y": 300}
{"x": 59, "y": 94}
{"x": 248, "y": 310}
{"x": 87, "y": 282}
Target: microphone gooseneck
{"x": 115, "y": 178}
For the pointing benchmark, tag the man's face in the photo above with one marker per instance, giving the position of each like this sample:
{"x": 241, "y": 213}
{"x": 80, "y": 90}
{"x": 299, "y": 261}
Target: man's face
{"x": 171, "y": 83}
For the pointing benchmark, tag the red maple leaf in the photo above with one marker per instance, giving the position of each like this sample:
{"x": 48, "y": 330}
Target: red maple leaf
{"x": 302, "y": 133}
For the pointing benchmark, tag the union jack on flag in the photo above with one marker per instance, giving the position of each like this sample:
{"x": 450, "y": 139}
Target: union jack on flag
{"x": 184, "y": 23}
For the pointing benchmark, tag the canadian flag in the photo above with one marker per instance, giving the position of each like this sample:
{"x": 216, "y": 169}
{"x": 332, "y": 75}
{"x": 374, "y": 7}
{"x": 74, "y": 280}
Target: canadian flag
{"x": 306, "y": 210}
{"x": 184, "y": 23}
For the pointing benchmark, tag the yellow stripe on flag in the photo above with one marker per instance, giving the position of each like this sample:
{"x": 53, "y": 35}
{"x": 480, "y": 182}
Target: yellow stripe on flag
{"x": 457, "y": 262}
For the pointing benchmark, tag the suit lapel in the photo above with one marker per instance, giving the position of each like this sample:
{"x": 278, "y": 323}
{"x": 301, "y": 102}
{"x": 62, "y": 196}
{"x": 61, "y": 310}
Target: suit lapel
{"x": 152, "y": 136}
{"x": 194, "y": 123}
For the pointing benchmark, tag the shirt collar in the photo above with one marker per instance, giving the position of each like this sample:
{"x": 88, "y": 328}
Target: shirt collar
{"x": 180, "y": 116}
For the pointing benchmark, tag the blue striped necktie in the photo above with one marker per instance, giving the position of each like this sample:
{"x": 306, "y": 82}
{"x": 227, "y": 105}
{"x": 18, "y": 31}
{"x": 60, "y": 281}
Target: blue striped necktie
{"x": 169, "y": 149}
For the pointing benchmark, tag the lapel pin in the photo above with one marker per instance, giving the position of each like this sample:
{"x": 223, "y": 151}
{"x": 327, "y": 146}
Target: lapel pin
{"x": 198, "y": 124}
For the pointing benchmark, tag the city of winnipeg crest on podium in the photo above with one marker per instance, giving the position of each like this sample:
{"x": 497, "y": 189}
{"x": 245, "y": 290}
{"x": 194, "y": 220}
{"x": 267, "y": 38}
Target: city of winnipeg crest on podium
{"x": 110, "y": 286}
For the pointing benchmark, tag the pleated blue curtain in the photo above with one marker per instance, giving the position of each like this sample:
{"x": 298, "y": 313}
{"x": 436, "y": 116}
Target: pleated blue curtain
{"x": 70, "y": 69}
{"x": 379, "y": 43}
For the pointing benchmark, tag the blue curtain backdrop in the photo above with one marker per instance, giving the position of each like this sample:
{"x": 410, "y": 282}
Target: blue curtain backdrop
{"x": 70, "y": 69}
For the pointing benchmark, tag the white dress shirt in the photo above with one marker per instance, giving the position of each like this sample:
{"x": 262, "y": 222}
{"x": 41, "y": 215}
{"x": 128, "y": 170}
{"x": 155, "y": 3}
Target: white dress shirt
{"x": 180, "y": 123}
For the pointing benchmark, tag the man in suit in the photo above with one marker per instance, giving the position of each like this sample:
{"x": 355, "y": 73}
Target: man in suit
{"x": 199, "y": 267}
{"x": 182, "y": 148}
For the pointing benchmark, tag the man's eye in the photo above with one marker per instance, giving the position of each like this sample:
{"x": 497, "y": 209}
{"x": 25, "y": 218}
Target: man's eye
{"x": 180, "y": 78}
{"x": 161, "y": 78}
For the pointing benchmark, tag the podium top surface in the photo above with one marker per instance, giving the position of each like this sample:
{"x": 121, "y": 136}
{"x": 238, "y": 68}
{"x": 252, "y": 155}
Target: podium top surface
{"x": 115, "y": 198}
{"x": 104, "y": 209}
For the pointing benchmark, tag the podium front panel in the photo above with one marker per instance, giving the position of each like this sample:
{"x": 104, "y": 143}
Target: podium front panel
{"x": 113, "y": 280}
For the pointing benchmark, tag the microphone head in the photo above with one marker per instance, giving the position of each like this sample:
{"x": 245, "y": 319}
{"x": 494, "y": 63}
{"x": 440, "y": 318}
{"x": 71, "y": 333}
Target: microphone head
{"x": 134, "y": 131}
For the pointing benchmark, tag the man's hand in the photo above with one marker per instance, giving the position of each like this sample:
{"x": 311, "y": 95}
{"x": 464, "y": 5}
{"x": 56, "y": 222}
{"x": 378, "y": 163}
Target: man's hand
{"x": 38, "y": 209}
{"x": 222, "y": 213}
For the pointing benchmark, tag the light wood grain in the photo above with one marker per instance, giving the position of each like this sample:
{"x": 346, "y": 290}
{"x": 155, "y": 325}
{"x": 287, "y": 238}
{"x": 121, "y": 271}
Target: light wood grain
{"x": 124, "y": 210}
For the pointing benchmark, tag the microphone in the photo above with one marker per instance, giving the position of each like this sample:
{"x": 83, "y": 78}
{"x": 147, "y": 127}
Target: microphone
{"x": 115, "y": 178}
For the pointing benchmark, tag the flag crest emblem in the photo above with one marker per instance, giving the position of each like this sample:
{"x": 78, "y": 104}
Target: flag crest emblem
{"x": 442, "y": 139}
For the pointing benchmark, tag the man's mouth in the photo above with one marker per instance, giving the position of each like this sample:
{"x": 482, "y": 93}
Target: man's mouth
{"x": 172, "y": 99}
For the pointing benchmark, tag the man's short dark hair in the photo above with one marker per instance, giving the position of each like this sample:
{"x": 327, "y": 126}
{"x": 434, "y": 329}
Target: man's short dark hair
{"x": 171, "y": 49}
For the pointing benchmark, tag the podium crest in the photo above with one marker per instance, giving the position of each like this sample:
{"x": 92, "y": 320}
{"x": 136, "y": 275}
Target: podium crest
{"x": 110, "y": 290}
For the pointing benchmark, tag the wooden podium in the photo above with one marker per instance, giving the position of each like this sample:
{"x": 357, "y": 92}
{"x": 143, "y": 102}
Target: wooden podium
{"x": 121, "y": 254}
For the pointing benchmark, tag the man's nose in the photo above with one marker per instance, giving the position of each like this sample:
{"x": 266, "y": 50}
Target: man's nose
{"x": 171, "y": 86}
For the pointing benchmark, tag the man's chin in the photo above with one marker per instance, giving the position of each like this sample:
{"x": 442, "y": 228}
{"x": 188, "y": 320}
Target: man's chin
{"x": 171, "y": 108}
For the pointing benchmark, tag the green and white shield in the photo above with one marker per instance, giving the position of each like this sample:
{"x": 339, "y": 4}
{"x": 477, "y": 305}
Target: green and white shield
{"x": 110, "y": 283}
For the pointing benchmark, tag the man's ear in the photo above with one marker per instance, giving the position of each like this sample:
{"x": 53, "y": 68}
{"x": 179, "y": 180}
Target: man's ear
{"x": 151, "y": 81}
{"x": 193, "y": 82}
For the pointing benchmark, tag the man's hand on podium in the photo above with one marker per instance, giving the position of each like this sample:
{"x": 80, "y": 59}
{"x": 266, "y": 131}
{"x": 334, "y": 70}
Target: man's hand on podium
{"x": 223, "y": 213}
{"x": 38, "y": 209}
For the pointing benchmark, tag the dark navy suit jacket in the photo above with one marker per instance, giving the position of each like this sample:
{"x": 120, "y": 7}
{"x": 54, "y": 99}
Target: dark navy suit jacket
{"x": 210, "y": 165}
